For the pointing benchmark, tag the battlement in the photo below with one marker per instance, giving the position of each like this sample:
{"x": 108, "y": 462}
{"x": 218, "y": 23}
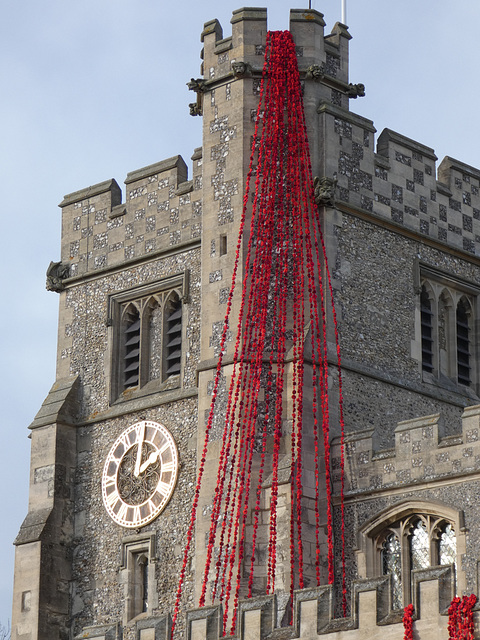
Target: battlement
{"x": 322, "y": 57}
{"x": 421, "y": 454}
{"x": 395, "y": 184}
{"x": 399, "y": 183}
{"x": 162, "y": 211}
{"x": 372, "y": 614}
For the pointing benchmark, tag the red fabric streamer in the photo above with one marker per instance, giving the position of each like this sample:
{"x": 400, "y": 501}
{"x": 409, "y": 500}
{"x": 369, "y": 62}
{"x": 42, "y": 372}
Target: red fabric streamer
{"x": 283, "y": 311}
{"x": 408, "y": 622}
{"x": 460, "y": 618}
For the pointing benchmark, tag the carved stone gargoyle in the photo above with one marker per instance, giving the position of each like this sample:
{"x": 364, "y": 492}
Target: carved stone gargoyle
{"x": 195, "y": 108}
{"x": 324, "y": 191}
{"x": 56, "y": 273}
{"x": 316, "y": 72}
{"x": 356, "y": 90}
{"x": 199, "y": 86}
{"x": 241, "y": 69}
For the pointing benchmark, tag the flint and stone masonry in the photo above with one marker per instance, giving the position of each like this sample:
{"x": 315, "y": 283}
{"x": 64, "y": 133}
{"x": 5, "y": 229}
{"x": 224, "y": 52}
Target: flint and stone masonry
{"x": 393, "y": 219}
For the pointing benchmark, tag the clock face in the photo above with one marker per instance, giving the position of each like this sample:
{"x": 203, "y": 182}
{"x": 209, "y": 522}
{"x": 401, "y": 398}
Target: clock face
{"x": 139, "y": 474}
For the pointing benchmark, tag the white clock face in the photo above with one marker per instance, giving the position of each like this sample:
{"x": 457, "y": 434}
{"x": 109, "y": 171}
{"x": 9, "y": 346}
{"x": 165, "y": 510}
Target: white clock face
{"x": 139, "y": 474}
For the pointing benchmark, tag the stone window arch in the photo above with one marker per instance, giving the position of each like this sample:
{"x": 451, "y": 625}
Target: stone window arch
{"x": 407, "y": 537}
{"x": 446, "y": 331}
{"x": 146, "y": 338}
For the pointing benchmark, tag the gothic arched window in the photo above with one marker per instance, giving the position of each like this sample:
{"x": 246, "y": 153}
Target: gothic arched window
{"x": 446, "y": 340}
{"x": 392, "y": 565}
{"x": 146, "y": 340}
{"x": 402, "y": 540}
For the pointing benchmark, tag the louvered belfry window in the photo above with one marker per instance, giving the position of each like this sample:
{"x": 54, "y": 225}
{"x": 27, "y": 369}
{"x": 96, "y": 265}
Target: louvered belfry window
{"x": 463, "y": 343}
{"x": 131, "y": 364}
{"x": 151, "y": 341}
{"x": 447, "y": 333}
{"x": 173, "y": 336}
{"x": 427, "y": 331}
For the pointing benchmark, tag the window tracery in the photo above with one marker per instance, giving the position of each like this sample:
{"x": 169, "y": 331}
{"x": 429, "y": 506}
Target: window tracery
{"x": 146, "y": 338}
{"x": 413, "y": 543}
{"x": 151, "y": 339}
{"x": 447, "y": 337}
{"x": 447, "y": 545}
{"x": 419, "y": 546}
{"x": 405, "y": 539}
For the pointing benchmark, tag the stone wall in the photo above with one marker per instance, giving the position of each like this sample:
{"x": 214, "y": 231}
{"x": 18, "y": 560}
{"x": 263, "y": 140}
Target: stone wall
{"x": 395, "y": 215}
{"x": 376, "y": 273}
{"x": 112, "y": 248}
{"x": 159, "y": 240}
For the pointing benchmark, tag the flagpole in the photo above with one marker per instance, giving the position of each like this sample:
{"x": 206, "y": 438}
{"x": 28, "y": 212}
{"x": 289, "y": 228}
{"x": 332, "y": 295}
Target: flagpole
{"x": 344, "y": 11}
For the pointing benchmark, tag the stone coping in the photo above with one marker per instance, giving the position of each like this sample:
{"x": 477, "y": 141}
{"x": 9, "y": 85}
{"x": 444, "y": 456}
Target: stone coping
{"x": 158, "y": 167}
{"x": 94, "y": 190}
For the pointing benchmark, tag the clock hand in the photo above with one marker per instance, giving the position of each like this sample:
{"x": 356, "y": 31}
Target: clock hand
{"x": 137, "y": 471}
{"x": 150, "y": 460}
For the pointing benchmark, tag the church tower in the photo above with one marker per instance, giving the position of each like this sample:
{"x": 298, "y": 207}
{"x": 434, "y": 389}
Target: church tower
{"x": 144, "y": 281}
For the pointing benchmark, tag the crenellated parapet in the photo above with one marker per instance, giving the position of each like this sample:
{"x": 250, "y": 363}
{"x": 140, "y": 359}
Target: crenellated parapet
{"x": 422, "y": 454}
{"x": 395, "y": 181}
{"x": 162, "y": 211}
{"x": 322, "y": 57}
{"x": 372, "y": 615}
{"x": 399, "y": 184}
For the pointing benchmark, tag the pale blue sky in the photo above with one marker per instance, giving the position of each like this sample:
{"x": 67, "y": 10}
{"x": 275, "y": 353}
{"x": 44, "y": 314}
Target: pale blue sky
{"x": 95, "y": 89}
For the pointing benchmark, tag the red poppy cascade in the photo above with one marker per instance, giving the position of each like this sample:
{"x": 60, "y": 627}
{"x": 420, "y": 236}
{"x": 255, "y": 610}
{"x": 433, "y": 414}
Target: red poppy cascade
{"x": 284, "y": 306}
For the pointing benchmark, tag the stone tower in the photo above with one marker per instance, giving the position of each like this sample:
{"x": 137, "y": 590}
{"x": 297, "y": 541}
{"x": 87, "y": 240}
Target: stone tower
{"x": 143, "y": 287}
